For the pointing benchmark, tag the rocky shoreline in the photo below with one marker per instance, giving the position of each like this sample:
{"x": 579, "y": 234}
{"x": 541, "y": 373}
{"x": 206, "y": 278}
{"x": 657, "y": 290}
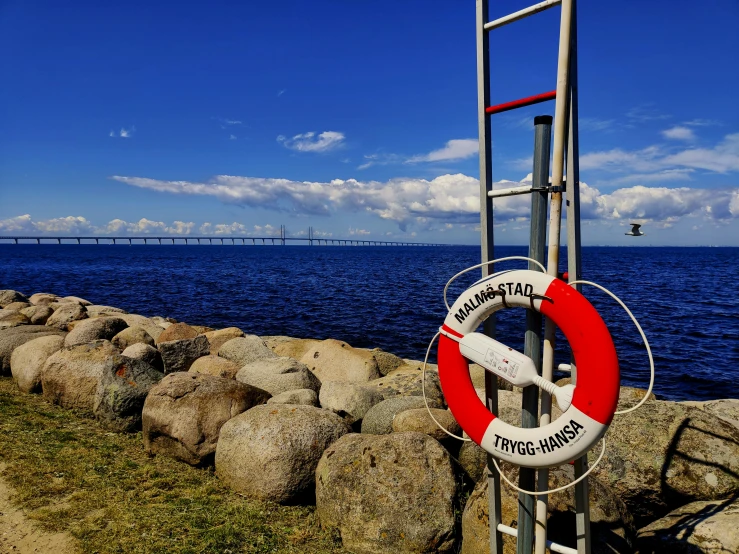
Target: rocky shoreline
{"x": 319, "y": 422}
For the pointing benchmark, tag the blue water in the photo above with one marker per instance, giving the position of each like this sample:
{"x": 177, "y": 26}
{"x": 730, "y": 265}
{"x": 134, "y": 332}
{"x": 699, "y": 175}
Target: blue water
{"x": 687, "y": 299}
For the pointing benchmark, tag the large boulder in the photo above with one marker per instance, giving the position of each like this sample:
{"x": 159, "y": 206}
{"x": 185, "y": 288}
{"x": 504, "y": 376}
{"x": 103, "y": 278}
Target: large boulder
{"x": 218, "y": 338}
{"x": 392, "y": 493}
{"x": 278, "y": 375}
{"x": 8, "y": 296}
{"x": 148, "y": 324}
{"x": 132, "y": 335}
{"x": 245, "y": 350}
{"x": 473, "y": 461}
{"x": 408, "y": 382}
{"x": 38, "y": 315}
{"x": 121, "y": 391}
{"x": 698, "y": 527}
{"x": 42, "y": 298}
{"x": 289, "y": 346}
{"x": 334, "y": 360}
{"x": 65, "y": 314}
{"x": 727, "y": 409}
{"x": 71, "y": 376}
{"x": 386, "y": 362}
{"x": 95, "y": 329}
{"x": 611, "y": 525}
{"x": 419, "y": 420}
{"x": 350, "y": 400}
{"x": 306, "y": 397}
{"x": 76, "y": 299}
{"x": 271, "y": 452}
{"x": 12, "y": 318}
{"x": 184, "y": 413}
{"x": 147, "y": 353}
{"x": 215, "y": 365}
{"x": 12, "y": 338}
{"x": 17, "y": 306}
{"x": 665, "y": 455}
{"x": 97, "y": 310}
{"x": 179, "y": 355}
{"x": 27, "y": 360}
{"x": 378, "y": 420}
{"x": 177, "y": 331}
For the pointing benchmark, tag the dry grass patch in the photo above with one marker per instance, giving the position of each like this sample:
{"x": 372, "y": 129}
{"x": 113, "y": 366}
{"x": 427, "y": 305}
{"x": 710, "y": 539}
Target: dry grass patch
{"x": 71, "y": 475}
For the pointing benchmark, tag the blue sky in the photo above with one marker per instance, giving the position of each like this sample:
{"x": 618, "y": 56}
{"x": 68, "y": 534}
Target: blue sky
{"x": 357, "y": 118}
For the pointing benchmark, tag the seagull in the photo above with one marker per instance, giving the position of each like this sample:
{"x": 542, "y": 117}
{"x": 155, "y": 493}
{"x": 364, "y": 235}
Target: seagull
{"x": 635, "y": 231}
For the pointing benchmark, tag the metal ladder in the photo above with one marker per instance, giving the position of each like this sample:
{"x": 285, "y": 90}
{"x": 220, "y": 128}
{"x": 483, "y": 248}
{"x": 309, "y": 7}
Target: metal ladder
{"x": 565, "y": 155}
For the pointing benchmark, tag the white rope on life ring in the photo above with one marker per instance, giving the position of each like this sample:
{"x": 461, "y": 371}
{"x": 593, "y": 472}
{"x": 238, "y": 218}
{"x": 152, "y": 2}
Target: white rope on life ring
{"x": 594, "y": 402}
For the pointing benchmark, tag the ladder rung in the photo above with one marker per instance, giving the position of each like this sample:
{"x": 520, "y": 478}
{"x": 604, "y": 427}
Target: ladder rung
{"x": 531, "y": 10}
{"x": 553, "y": 546}
{"x": 521, "y": 103}
{"x": 513, "y": 191}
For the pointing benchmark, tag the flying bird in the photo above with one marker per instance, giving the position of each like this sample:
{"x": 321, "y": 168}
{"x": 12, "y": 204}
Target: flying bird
{"x": 635, "y": 231}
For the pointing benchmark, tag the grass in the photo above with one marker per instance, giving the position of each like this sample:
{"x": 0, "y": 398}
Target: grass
{"x": 71, "y": 475}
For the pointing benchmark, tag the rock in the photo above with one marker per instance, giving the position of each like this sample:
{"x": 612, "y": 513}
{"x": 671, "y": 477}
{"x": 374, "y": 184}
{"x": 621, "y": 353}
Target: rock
{"x": 38, "y": 314}
{"x": 350, "y": 400}
{"x": 628, "y": 396}
{"x": 77, "y": 300}
{"x": 70, "y": 377}
{"x": 388, "y": 493}
{"x": 12, "y": 318}
{"x": 147, "y": 353}
{"x": 130, "y": 336}
{"x": 179, "y": 355}
{"x": 27, "y": 360}
{"x": 10, "y": 339}
{"x": 418, "y": 420}
{"x": 178, "y": 331}
{"x": 8, "y": 296}
{"x": 215, "y": 365}
{"x": 305, "y": 397}
{"x": 727, "y": 409}
{"x": 245, "y": 350}
{"x": 202, "y": 329}
{"x": 271, "y": 452}
{"x": 333, "y": 360}
{"x": 278, "y": 375}
{"x": 121, "y": 391}
{"x": 65, "y": 314}
{"x": 386, "y": 362}
{"x": 17, "y": 306}
{"x": 136, "y": 320}
{"x": 218, "y": 338}
{"x": 162, "y": 321}
{"x": 473, "y": 460}
{"x": 290, "y": 347}
{"x": 612, "y": 528}
{"x": 42, "y": 298}
{"x": 665, "y": 455}
{"x": 97, "y": 310}
{"x": 379, "y": 418}
{"x": 407, "y": 382}
{"x": 95, "y": 329}
{"x": 711, "y": 526}
{"x": 184, "y": 414}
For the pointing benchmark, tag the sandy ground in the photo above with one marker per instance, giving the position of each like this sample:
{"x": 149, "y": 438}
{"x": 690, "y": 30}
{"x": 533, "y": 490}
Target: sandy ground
{"x": 20, "y": 535}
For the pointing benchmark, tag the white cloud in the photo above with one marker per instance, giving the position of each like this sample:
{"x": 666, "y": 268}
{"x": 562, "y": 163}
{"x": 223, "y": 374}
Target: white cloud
{"x": 123, "y": 133}
{"x": 310, "y": 142}
{"x": 360, "y": 232}
{"x": 644, "y": 113}
{"x": 281, "y": 92}
{"x": 679, "y": 133}
{"x": 455, "y": 149}
{"x": 702, "y": 123}
{"x": 232, "y": 137}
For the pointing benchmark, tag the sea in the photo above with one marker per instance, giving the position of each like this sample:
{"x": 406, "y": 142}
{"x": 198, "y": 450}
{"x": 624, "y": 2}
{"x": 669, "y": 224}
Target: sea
{"x": 390, "y": 297}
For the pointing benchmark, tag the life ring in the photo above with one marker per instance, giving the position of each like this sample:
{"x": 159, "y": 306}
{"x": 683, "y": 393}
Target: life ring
{"x": 598, "y": 381}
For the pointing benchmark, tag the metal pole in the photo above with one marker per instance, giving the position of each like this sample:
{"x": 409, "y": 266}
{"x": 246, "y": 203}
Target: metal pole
{"x": 532, "y": 345}
{"x": 555, "y": 224}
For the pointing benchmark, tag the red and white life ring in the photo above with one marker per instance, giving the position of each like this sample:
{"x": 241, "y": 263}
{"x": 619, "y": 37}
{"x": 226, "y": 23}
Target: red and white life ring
{"x": 595, "y": 397}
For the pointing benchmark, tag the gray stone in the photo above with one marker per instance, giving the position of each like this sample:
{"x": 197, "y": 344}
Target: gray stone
{"x": 8, "y": 296}
{"x": 71, "y": 376}
{"x": 12, "y": 318}
{"x": 178, "y": 355}
{"x": 183, "y": 415}
{"x": 473, "y": 460}
{"x": 611, "y": 525}
{"x": 305, "y": 397}
{"x": 379, "y": 418}
{"x": 727, "y": 409}
{"x": 177, "y": 331}
{"x": 350, "y": 400}
{"x": 95, "y": 329}
{"x": 386, "y": 362}
{"x": 130, "y": 336}
{"x": 695, "y": 528}
{"x": 245, "y": 350}
{"x": 271, "y": 452}
{"x": 97, "y": 310}
{"x": 408, "y": 382}
{"x": 278, "y": 375}
{"x": 27, "y": 360}
{"x": 66, "y": 314}
{"x": 218, "y": 338}
{"x": 418, "y": 420}
{"x": 38, "y": 315}
{"x": 10, "y": 339}
{"x": 121, "y": 391}
{"x": 333, "y": 360}
{"x": 392, "y": 493}
{"x": 215, "y": 365}
{"x": 163, "y": 322}
{"x": 147, "y": 353}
